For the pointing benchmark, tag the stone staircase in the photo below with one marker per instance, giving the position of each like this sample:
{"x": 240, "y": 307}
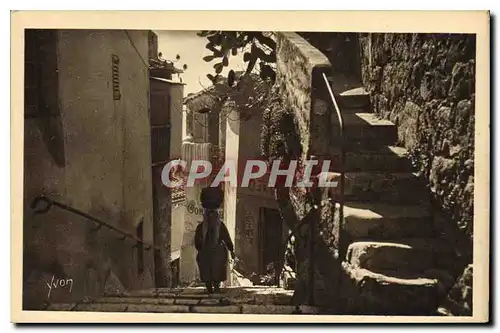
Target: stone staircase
{"x": 393, "y": 264}
{"x": 231, "y": 300}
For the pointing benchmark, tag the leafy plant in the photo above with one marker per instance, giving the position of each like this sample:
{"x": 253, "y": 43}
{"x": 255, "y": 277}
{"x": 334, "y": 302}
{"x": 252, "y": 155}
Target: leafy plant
{"x": 257, "y": 47}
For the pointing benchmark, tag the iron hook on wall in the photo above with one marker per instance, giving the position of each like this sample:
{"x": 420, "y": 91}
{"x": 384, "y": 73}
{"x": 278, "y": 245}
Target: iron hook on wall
{"x": 44, "y": 209}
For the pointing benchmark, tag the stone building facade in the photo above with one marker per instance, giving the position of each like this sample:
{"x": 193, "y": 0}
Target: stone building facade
{"x": 87, "y": 145}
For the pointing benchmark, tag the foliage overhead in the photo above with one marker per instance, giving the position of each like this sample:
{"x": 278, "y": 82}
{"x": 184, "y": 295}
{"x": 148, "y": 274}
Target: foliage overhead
{"x": 279, "y": 133}
{"x": 257, "y": 47}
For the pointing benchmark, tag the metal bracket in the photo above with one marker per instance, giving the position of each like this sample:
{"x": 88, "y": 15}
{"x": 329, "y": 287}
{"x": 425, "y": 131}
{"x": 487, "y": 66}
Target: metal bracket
{"x": 41, "y": 210}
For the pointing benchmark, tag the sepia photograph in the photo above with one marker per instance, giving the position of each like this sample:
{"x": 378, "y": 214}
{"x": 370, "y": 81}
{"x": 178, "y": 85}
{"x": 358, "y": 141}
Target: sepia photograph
{"x": 300, "y": 172}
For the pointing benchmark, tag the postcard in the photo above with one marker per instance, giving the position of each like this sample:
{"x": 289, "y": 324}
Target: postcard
{"x": 318, "y": 167}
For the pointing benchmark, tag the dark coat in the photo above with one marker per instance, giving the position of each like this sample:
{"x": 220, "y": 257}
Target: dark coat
{"x": 212, "y": 262}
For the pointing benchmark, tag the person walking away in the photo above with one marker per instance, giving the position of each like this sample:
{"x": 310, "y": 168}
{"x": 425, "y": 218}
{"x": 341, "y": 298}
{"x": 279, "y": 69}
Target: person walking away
{"x": 212, "y": 241}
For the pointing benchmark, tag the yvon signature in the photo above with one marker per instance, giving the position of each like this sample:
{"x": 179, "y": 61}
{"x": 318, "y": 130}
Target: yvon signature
{"x": 59, "y": 283}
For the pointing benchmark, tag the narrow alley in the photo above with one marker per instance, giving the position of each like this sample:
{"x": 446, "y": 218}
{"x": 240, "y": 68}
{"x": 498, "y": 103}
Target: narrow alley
{"x": 392, "y": 113}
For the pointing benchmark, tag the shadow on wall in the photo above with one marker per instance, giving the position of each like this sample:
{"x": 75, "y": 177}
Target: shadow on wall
{"x": 60, "y": 247}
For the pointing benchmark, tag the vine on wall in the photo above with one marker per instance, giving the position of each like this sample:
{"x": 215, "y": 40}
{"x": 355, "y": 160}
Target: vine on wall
{"x": 279, "y": 134}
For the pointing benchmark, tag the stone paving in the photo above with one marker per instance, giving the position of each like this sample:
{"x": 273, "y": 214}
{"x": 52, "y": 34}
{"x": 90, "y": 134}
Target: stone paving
{"x": 235, "y": 300}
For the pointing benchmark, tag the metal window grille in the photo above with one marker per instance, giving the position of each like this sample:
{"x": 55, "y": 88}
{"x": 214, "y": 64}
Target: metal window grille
{"x": 115, "y": 63}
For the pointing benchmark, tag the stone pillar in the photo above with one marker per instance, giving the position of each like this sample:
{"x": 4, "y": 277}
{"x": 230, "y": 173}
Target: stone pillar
{"x": 230, "y": 193}
{"x": 193, "y": 212}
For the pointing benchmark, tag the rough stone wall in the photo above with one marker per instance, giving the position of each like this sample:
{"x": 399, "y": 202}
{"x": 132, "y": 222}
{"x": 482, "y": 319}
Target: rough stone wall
{"x": 295, "y": 62}
{"x": 106, "y": 172}
{"x": 301, "y": 87}
{"x": 425, "y": 84}
{"x": 459, "y": 299}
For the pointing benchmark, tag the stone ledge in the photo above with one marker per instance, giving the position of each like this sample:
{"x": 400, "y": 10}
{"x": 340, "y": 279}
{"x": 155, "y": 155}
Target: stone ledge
{"x": 313, "y": 57}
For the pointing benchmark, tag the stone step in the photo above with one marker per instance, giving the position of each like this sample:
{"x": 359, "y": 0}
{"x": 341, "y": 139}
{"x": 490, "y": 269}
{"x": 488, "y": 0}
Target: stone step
{"x": 379, "y": 221}
{"x": 128, "y": 305}
{"x": 197, "y": 296}
{"x": 382, "y": 158}
{"x": 354, "y": 98}
{"x": 391, "y": 187}
{"x": 124, "y": 306}
{"x": 366, "y": 292}
{"x": 256, "y": 299}
{"x": 177, "y": 300}
{"x": 366, "y": 129}
{"x": 402, "y": 258}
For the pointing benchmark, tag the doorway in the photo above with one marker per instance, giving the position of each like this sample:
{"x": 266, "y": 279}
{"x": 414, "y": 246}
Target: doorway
{"x": 270, "y": 239}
